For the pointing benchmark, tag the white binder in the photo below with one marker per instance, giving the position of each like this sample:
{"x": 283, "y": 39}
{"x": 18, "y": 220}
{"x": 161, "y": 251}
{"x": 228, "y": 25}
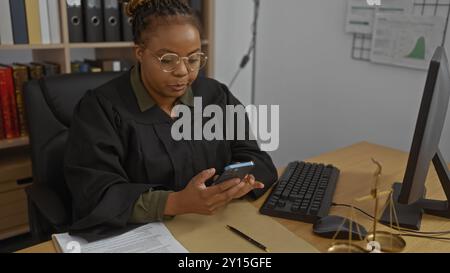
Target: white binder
{"x": 6, "y": 34}
{"x": 54, "y": 20}
{"x": 45, "y": 25}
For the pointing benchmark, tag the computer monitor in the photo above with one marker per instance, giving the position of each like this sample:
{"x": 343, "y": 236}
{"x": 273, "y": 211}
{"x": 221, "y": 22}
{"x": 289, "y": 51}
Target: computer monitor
{"x": 409, "y": 197}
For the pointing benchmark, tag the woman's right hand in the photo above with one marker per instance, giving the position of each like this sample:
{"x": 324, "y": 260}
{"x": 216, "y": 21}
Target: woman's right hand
{"x": 199, "y": 199}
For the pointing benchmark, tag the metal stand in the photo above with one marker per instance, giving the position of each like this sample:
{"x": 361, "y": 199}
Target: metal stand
{"x": 254, "y": 39}
{"x": 410, "y": 216}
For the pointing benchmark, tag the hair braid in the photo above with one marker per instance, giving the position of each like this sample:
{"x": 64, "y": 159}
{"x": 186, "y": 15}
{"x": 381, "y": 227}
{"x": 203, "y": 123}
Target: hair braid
{"x": 146, "y": 12}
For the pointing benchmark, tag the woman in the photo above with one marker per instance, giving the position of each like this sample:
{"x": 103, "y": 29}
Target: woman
{"x": 122, "y": 165}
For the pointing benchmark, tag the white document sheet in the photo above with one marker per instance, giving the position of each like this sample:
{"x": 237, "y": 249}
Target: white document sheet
{"x": 151, "y": 238}
{"x": 361, "y": 15}
{"x": 406, "y": 40}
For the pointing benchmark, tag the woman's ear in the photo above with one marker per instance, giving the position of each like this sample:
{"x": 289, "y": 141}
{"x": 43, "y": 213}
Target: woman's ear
{"x": 139, "y": 53}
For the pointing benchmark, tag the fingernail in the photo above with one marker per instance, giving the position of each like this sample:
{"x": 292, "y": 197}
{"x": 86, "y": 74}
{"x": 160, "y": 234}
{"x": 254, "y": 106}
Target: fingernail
{"x": 211, "y": 170}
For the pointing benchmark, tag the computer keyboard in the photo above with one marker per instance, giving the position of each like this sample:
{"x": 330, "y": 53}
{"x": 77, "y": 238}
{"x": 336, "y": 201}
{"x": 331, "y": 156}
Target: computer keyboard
{"x": 304, "y": 192}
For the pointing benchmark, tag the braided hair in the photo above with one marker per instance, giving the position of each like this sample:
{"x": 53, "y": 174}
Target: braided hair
{"x": 146, "y": 13}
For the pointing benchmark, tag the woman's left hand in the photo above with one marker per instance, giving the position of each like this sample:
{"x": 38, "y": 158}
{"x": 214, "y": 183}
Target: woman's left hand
{"x": 238, "y": 191}
{"x": 250, "y": 184}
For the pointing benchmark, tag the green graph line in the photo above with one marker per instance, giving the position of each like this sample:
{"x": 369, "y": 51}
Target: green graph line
{"x": 419, "y": 50}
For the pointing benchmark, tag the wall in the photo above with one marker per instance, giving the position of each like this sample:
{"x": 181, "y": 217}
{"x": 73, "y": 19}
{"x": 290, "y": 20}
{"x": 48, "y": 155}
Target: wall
{"x": 233, "y": 19}
{"x": 327, "y": 100}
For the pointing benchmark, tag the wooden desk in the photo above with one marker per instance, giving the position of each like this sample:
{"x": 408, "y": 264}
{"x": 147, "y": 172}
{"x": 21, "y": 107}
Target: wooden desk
{"x": 356, "y": 181}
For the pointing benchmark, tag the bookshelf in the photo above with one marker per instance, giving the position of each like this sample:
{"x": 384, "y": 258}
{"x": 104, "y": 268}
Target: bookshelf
{"x": 24, "y": 47}
{"x": 15, "y": 163}
{"x": 15, "y": 168}
{"x": 61, "y": 53}
{"x": 12, "y": 143}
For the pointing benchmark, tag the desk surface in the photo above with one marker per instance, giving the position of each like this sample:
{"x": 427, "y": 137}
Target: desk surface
{"x": 356, "y": 181}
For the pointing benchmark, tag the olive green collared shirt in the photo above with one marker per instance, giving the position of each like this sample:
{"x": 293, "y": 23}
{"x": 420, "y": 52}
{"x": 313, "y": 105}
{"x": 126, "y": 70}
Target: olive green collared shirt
{"x": 144, "y": 99}
{"x": 151, "y": 205}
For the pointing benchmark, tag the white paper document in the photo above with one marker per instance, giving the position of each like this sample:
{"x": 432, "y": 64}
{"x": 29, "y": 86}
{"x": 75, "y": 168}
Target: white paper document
{"x": 151, "y": 238}
{"x": 361, "y": 15}
{"x": 406, "y": 40}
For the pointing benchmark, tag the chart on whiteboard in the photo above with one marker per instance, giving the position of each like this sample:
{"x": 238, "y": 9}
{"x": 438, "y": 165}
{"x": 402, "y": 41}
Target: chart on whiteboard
{"x": 361, "y": 15}
{"x": 406, "y": 40}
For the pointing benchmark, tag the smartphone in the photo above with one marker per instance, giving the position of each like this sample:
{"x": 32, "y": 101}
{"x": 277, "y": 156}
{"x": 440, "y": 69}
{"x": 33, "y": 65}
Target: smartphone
{"x": 238, "y": 170}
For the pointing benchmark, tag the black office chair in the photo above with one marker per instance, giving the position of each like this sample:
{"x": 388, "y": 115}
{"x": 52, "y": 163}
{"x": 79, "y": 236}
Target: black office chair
{"x": 49, "y": 104}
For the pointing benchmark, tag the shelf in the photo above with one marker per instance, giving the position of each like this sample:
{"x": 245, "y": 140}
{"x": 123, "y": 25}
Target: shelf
{"x": 11, "y": 143}
{"x": 112, "y": 44}
{"x": 14, "y": 231}
{"x": 14, "y": 166}
{"x": 28, "y": 46}
{"x": 102, "y": 45}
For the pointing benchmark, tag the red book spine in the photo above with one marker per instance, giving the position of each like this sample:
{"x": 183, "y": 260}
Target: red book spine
{"x": 8, "y": 103}
{"x": 2, "y": 130}
{"x": 20, "y": 76}
{"x": 11, "y": 91}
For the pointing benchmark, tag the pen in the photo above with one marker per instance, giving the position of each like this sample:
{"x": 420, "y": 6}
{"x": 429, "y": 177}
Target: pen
{"x": 242, "y": 235}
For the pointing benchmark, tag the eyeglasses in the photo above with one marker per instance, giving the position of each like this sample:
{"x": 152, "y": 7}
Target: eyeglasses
{"x": 170, "y": 61}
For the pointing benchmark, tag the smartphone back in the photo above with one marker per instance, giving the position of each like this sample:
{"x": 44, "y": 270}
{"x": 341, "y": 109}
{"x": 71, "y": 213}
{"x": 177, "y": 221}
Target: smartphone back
{"x": 239, "y": 170}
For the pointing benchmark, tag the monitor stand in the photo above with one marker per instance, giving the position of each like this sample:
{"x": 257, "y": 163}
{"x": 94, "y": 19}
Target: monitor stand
{"x": 410, "y": 216}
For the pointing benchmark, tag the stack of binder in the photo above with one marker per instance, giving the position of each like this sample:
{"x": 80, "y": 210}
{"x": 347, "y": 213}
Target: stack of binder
{"x": 98, "y": 21}
{"x": 37, "y": 21}
{"x": 127, "y": 24}
{"x": 75, "y": 21}
{"x": 112, "y": 20}
{"x": 93, "y": 21}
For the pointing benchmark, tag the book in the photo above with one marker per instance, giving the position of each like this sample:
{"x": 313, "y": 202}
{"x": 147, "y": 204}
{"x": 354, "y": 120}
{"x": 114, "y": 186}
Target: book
{"x": 126, "y": 65}
{"x": 6, "y": 32}
{"x": 95, "y": 69}
{"x": 51, "y": 69}
{"x": 111, "y": 66}
{"x": 33, "y": 21}
{"x": 54, "y": 20}
{"x": 85, "y": 67}
{"x": 19, "y": 21}
{"x": 2, "y": 131}
{"x": 75, "y": 67}
{"x": 94, "y": 65}
{"x": 45, "y": 21}
{"x": 80, "y": 67}
{"x": 8, "y": 103}
{"x": 20, "y": 77}
{"x": 36, "y": 71}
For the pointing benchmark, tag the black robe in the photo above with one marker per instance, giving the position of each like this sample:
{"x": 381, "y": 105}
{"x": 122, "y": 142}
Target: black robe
{"x": 115, "y": 153}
